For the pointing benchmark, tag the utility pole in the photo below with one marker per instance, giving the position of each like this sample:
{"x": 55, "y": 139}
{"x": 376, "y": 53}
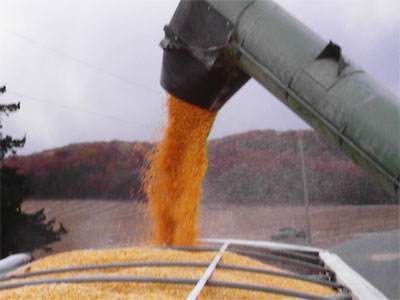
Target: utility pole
{"x": 303, "y": 173}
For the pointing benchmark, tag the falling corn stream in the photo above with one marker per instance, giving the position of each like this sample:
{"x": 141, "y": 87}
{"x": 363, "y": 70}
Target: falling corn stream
{"x": 173, "y": 187}
{"x": 177, "y": 167}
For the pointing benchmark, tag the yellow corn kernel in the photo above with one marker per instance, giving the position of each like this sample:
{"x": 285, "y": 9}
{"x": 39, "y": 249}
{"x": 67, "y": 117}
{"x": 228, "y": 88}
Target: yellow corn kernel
{"x": 117, "y": 290}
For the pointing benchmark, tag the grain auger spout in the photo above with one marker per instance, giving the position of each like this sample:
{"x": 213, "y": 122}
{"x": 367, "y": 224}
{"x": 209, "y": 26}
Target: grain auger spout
{"x": 211, "y": 48}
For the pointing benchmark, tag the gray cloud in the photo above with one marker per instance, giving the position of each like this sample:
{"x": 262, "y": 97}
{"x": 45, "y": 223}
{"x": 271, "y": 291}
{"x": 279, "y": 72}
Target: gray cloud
{"x": 118, "y": 95}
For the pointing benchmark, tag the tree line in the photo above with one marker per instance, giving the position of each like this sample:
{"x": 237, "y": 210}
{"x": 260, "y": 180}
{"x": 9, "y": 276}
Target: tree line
{"x": 251, "y": 168}
{"x": 265, "y": 167}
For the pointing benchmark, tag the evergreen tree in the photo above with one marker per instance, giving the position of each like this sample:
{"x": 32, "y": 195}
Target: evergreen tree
{"x": 20, "y": 232}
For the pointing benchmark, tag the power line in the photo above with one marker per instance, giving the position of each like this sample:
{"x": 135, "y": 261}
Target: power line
{"x": 78, "y": 60}
{"x": 88, "y": 65}
{"x": 82, "y": 62}
{"x": 74, "y": 109}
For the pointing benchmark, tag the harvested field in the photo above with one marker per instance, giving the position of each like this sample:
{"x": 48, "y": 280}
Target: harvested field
{"x": 104, "y": 223}
{"x": 329, "y": 225}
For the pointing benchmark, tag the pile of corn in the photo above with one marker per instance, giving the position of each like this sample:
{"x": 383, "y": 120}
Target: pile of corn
{"x": 177, "y": 167}
{"x": 117, "y": 290}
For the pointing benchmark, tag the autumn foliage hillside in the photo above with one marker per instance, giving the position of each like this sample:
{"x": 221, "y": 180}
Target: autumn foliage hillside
{"x": 265, "y": 167}
{"x": 88, "y": 170}
{"x": 253, "y": 168}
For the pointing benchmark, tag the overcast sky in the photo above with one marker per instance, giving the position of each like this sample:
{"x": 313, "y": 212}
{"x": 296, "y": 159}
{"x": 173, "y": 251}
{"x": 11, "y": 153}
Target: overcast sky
{"x": 89, "y": 70}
